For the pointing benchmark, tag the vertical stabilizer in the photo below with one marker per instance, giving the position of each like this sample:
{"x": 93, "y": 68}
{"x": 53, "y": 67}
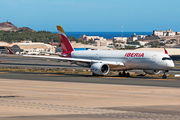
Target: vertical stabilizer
{"x": 65, "y": 43}
{"x": 9, "y": 50}
{"x": 166, "y": 52}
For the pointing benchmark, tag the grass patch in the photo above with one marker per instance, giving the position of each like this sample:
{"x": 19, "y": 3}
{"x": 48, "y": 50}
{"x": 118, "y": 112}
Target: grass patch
{"x": 45, "y": 70}
{"x": 68, "y": 71}
{"x": 175, "y": 61}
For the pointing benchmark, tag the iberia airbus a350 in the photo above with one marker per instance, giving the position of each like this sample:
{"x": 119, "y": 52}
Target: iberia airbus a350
{"x": 101, "y": 62}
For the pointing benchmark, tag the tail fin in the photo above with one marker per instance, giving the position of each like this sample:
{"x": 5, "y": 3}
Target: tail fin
{"x": 9, "y": 50}
{"x": 65, "y": 43}
{"x": 166, "y": 52}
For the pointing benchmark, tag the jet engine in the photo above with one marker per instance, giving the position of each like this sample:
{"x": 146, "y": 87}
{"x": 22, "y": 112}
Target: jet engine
{"x": 100, "y": 69}
{"x": 152, "y": 72}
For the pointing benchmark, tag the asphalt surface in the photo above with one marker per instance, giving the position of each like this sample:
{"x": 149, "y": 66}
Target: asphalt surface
{"x": 158, "y": 112}
{"x": 26, "y": 62}
{"x": 144, "y": 81}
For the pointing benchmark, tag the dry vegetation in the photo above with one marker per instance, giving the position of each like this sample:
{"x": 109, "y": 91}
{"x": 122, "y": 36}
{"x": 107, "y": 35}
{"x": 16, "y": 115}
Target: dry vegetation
{"x": 67, "y": 71}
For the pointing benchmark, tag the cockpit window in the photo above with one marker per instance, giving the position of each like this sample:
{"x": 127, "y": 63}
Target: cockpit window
{"x": 166, "y": 58}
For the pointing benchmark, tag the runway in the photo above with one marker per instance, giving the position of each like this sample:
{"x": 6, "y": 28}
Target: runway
{"x": 144, "y": 81}
{"x": 26, "y": 96}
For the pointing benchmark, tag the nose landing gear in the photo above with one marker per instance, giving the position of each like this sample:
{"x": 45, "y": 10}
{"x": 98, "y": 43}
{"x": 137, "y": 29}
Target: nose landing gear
{"x": 164, "y": 75}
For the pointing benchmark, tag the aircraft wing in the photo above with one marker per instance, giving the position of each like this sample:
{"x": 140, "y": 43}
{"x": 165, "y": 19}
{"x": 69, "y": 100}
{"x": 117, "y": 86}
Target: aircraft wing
{"x": 78, "y": 60}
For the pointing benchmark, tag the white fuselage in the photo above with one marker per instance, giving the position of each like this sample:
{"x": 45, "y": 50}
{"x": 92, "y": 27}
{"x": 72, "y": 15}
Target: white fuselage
{"x": 144, "y": 60}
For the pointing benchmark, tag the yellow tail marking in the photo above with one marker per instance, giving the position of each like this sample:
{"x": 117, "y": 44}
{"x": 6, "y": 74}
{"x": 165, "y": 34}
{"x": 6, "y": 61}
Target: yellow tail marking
{"x": 60, "y": 29}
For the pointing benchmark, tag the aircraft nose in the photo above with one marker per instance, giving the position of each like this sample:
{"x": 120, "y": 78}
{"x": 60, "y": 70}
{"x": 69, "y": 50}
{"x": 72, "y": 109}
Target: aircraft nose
{"x": 170, "y": 65}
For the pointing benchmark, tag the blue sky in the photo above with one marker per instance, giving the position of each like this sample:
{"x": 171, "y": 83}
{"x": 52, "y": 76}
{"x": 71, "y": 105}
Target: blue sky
{"x": 93, "y": 15}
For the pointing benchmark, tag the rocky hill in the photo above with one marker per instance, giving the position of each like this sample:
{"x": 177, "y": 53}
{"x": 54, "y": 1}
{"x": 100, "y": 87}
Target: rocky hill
{"x": 8, "y": 26}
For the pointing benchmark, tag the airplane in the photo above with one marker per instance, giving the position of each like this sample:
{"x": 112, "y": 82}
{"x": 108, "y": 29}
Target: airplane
{"x": 10, "y": 52}
{"x": 102, "y": 62}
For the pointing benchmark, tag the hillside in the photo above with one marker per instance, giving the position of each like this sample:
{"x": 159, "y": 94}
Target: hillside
{"x": 8, "y": 26}
{"x": 24, "y": 34}
{"x": 10, "y": 33}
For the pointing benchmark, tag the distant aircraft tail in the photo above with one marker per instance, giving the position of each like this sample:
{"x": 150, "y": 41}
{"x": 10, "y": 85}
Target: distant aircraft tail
{"x": 9, "y": 50}
{"x": 166, "y": 52}
{"x": 65, "y": 43}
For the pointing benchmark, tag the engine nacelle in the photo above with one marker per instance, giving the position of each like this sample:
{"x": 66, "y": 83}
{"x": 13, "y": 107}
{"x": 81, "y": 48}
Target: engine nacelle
{"x": 100, "y": 68}
{"x": 152, "y": 72}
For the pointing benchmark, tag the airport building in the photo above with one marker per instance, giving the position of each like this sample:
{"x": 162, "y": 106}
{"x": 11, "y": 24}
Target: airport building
{"x": 87, "y": 38}
{"x": 141, "y": 36}
{"x": 92, "y": 47}
{"x": 33, "y": 48}
{"x": 3, "y": 47}
{"x": 109, "y": 41}
{"x": 120, "y": 39}
{"x": 100, "y": 43}
{"x": 169, "y": 32}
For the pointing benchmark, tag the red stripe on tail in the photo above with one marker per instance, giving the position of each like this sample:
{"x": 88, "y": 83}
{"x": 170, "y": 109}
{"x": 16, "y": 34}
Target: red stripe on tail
{"x": 65, "y": 44}
{"x": 9, "y": 50}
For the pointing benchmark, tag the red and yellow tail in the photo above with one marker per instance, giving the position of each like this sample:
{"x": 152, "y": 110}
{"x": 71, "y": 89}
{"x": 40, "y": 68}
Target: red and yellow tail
{"x": 166, "y": 52}
{"x": 65, "y": 43}
{"x": 9, "y": 50}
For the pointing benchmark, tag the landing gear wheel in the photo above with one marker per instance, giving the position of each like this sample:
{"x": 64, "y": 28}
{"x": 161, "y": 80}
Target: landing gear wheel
{"x": 120, "y": 74}
{"x": 128, "y": 75}
{"x": 124, "y": 74}
{"x": 164, "y": 76}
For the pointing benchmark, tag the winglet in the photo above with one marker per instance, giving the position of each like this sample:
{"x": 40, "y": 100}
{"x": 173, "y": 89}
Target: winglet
{"x": 65, "y": 43}
{"x": 9, "y": 50}
{"x": 165, "y": 51}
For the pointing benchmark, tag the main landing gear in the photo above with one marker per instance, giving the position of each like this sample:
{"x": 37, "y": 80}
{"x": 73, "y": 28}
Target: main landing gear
{"x": 124, "y": 74}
